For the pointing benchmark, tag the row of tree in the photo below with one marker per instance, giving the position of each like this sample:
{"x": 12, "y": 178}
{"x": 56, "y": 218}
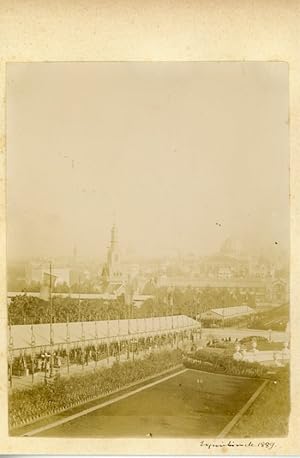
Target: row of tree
{"x": 25, "y": 309}
{"x": 207, "y": 298}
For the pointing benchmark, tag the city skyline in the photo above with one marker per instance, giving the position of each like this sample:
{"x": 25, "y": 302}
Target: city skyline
{"x": 132, "y": 256}
{"x": 184, "y": 155}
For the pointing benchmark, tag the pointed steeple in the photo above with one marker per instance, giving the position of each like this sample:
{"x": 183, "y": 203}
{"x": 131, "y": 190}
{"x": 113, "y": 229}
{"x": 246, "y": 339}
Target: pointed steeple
{"x": 114, "y": 235}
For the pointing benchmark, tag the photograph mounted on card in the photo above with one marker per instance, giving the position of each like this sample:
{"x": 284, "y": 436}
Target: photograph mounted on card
{"x": 148, "y": 251}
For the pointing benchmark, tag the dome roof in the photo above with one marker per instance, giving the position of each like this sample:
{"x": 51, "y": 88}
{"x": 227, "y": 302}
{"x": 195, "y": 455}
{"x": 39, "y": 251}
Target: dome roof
{"x": 232, "y": 247}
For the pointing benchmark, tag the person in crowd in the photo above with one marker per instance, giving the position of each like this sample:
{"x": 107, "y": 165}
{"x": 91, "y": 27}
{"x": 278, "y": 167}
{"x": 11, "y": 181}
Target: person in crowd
{"x": 39, "y": 364}
{"x": 58, "y": 362}
{"x": 47, "y": 365}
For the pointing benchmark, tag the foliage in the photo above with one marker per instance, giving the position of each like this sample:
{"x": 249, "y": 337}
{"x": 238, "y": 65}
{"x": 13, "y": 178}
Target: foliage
{"x": 25, "y": 309}
{"x": 191, "y": 301}
{"x": 275, "y": 319}
{"x": 221, "y": 363}
{"x": 248, "y": 339}
{"x": 269, "y": 415}
{"x": 63, "y": 393}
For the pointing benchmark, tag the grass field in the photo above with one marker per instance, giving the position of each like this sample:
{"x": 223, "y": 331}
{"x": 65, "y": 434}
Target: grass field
{"x": 191, "y": 404}
{"x": 269, "y": 414}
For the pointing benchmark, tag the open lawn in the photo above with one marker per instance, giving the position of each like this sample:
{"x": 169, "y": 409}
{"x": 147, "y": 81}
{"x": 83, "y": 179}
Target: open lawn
{"x": 191, "y": 404}
{"x": 269, "y": 414}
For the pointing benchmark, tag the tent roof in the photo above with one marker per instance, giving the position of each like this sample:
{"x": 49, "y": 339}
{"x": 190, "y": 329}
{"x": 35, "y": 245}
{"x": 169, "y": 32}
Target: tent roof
{"x": 22, "y": 334}
{"x": 233, "y": 311}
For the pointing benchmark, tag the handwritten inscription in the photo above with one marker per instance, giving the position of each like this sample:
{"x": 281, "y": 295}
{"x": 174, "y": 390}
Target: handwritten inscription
{"x": 268, "y": 445}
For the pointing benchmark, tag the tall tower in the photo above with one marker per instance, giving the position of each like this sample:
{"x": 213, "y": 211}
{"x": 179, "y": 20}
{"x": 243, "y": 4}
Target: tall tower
{"x": 113, "y": 257}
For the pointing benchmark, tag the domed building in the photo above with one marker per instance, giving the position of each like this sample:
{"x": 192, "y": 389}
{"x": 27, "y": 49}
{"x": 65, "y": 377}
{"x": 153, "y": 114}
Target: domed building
{"x": 232, "y": 247}
{"x": 230, "y": 262}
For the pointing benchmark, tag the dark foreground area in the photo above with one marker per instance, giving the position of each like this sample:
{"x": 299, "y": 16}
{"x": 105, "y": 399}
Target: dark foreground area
{"x": 192, "y": 404}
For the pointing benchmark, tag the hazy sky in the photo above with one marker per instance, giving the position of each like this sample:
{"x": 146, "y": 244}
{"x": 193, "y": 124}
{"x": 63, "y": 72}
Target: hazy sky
{"x": 171, "y": 148}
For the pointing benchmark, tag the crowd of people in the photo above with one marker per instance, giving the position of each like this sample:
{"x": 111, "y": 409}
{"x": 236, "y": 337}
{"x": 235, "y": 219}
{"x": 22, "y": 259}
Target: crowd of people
{"x": 220, "y": 343}
{"x": 45, "y": 360}
{"x": 63, "y": 393}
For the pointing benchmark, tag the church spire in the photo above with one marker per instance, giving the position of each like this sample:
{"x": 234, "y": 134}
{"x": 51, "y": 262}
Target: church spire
{"x": 114, "y": 235}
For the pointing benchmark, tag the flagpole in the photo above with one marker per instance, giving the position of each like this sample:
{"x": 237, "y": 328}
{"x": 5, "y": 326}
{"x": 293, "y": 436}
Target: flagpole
{"x": 172, "y": 309}
{"x": 32, "y": 344}
{"x": 131, "y": 315}
{"x": 128, "y": 331}
{"x": 51, "y": 319}
{"x": 96, "y": 344}
{"x": 82, "y": 346}
{"x": 159, "y": 325}
{"x": 81, "y": 322}
{"x": 107, "y": 331}
{"x": 119, "y": 349}
{"x": 138, "y": 333}
{"x": 79, "y": 306}
{"x": 68, "y": 345}
{"x": 108, "y": 349}
{"x": 152, "y": 327}
{"x": 172, "y": 313}
{"x": 108, "y": 337}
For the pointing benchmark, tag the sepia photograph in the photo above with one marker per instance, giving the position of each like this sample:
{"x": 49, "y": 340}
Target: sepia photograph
{"x": 148, "y": 250}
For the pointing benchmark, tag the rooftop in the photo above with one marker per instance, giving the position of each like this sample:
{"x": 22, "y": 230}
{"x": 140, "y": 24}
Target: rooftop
{"x": 22, "y": 334}
{"x": 227, "y": 312}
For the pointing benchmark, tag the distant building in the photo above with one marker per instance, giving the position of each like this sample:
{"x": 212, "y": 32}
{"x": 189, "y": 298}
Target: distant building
{"x": 139, "y": 299}
{"x": 227, "y": 313}
{"x": 232, "y": 247}
{"x": 35, "y": 273}
{"x": 280, "y": 291}
{"x": 230, "y": 262}
{"x": 114, "y": 258}
{"x": 114, "y": 279}
{"x": 234, "y": 269}
{"x": 112, "y": 271}
{"x": 224, "y": 273}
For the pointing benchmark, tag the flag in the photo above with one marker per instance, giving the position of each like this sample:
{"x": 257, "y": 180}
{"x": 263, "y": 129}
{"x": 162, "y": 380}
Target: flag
{"x": 47, "y": 284}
